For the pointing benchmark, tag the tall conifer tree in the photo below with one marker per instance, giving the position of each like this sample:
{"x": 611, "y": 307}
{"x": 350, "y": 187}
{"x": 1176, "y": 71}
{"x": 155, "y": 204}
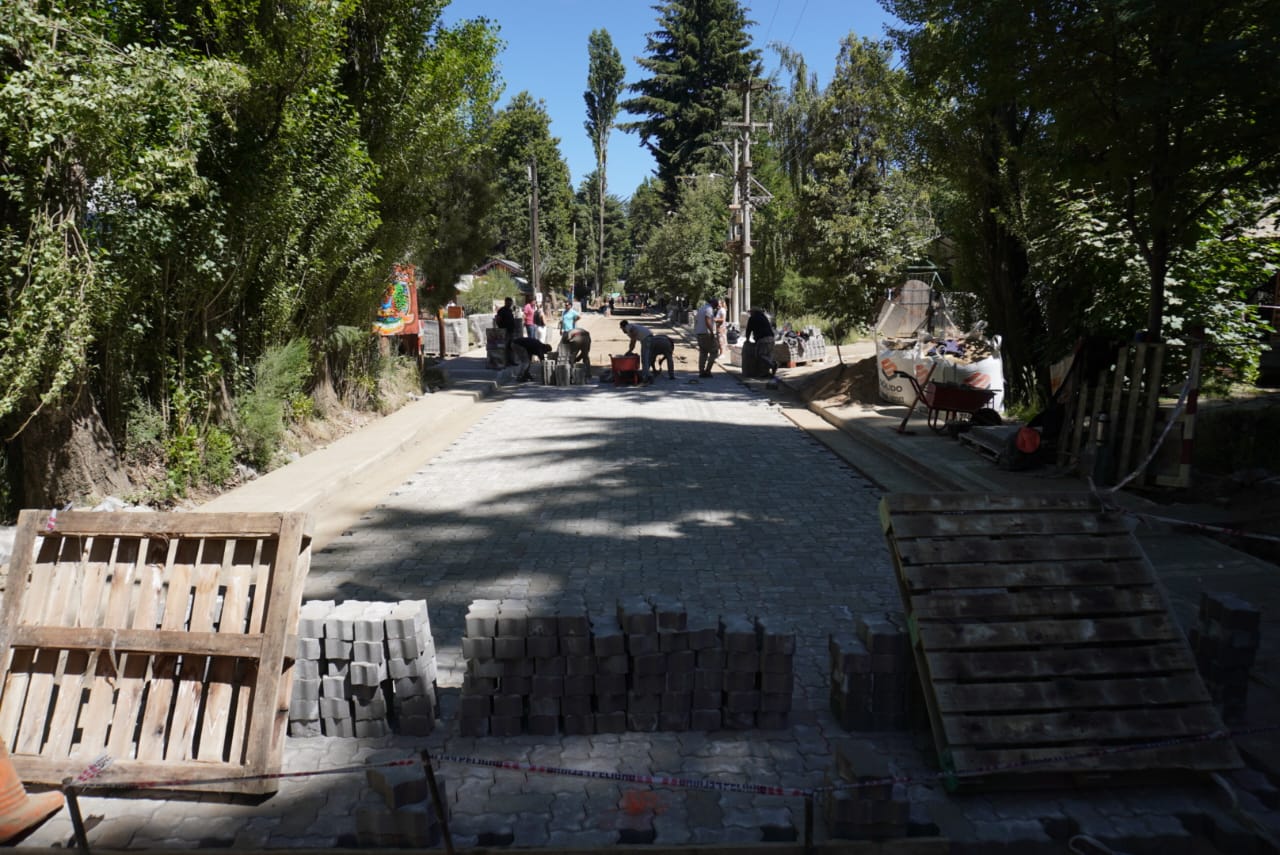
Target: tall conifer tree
{"x": 700, "y": 49}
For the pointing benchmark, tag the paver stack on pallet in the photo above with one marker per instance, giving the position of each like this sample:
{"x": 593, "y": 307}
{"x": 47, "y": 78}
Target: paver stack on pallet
{"x": 157, "y": 639}
{"x": 1225, "y": 640}
{"x": 1044, "y": 642}
{"x": 873, "y": 677}
{"x": 364, "y": 669}
{"x": 548, "y": 668}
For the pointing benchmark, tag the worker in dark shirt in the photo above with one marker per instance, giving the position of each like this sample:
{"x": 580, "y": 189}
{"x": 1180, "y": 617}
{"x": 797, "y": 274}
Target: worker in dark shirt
{"x": 525, "y": 351}
{"x": 760, "y": 330}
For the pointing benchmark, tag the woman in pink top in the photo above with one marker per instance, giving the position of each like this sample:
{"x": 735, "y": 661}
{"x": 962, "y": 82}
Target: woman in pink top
{"x": 530, "y": 330}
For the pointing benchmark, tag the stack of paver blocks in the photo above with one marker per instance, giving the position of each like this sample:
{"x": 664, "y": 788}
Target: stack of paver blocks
{"x": 867, "y": 805}
{"x": 360, "y": 666}
{"x": 551, "y": 668}
{"x": 872, "y": 674}
{"x": 1225, "y": 641}
{"x": 398, "y": 812}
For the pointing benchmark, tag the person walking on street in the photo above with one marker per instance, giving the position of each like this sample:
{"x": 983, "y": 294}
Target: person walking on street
{"x": 530, "y": 331}
{"x": 642, "y": 335}
{"x": 704, "y": 327}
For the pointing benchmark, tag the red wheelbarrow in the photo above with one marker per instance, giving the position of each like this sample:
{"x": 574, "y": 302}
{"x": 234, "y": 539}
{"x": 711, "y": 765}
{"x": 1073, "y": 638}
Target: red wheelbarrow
{"x": 626, "y": 369}
{"x": 946, "y": 402}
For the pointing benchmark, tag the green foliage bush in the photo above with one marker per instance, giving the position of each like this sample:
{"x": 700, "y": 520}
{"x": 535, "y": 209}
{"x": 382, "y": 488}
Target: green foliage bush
{"x": 182, "y": 461}
{"x": 487, "y": 289}
{"x": 219, "y": 457}
{"x": 145, "y": 433}
{"x": 279, "y": 377}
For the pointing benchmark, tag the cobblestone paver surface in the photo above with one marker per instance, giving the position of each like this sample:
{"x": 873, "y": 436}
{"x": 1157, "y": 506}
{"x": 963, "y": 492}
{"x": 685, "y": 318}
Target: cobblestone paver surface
{"x": 697, "y": 490}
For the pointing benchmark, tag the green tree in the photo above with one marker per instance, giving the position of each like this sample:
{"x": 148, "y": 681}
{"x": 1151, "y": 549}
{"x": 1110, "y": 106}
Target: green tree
{"x": 684, "y": 256}
{"x": 604, "y": 81}
{"x": 975, "y": 137}
{"x": 700, "y": 49}
{"x": 1130, "y": 126}
{"x": 521, "y": 136}
{"x": 860, "y": 218}
{"x": 616, "y": 237}
{"x": 100, "y": 154}
{"x": 1158, "y": 107}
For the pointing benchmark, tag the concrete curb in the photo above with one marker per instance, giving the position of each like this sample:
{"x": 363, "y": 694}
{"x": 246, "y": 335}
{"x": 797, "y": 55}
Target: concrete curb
{"x": 304, "y": 483}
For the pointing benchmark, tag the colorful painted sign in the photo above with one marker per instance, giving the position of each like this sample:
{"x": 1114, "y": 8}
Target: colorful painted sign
{"x": 398, "y": 313}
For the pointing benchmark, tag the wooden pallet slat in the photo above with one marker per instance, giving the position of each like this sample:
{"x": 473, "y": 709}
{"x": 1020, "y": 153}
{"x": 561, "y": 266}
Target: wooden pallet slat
{"x": 1055, "y": 693}
{"x": 941, "y": 550}
{"x": 978, "y": 636}
{"x": 1040, "y": 633}
{"x": 1024, "y": 575}
{"x": 158, "y": 639}
{"x": 1035, "y": 603}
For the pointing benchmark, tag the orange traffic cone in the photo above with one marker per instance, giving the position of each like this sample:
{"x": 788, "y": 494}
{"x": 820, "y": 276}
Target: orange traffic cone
{"x": 19, "y": 811}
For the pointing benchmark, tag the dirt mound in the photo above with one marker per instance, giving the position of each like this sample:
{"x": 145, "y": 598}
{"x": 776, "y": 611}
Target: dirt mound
{"x": 842, "y": 384}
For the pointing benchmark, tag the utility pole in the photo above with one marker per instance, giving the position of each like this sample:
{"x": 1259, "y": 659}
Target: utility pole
{"x": 533, "y": 226}
{"x": 742, "y": 198}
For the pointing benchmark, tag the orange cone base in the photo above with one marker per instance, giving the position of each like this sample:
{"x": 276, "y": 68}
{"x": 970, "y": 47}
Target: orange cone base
{"x": 32, "y": 811}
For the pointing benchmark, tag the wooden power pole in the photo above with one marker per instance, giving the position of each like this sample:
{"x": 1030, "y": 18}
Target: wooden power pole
{"x": 743, "y": 202}
{"x": 533, "y": 227}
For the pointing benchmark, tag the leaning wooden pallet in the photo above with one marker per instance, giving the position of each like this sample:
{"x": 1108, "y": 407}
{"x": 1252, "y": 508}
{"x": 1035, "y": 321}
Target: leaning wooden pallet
{"x": 1044, "y": 642}
{"x": 158, "y": 640}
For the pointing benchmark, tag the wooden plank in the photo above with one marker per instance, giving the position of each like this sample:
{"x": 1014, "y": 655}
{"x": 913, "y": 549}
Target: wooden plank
{"x": 901, "y": 504}
{"x": 192, "y": 669}
{"x": 1128, "y": 374}
{"x": 1067, "y": 693}
{"x": 1016, "y": 549}
{"x": 1152, "y": 404}
{"x": 135, "y": 667}
{"x": 1126, "y": 437}
{"x": 1078, "y": 602}
{"x": 17, "y": 664}
{"x": 160, "y": 686}
{"x": 258, "y": 558}
{"x": 1057, "y": 728}
{"x": 47, "y": 603}
{"x": 98, "y": 709}
{"x": 1201, "y": 755}
{"x": 1073, "y": 447}
{"x": 73, "y": 669}
{"x": 1008, "y": 523}
{"x": 13, "y": 694}
{"x": 1115, "y": 661}
{"x": 1028, "y": 575}
{"x": 169, "y": 525}
{"x": 212, "y": 739}
{"x": 24, "y": 545}
{"x": 281, "y": 591}
{"x": 940, "y": 637}
{"x": 35, "y": 710}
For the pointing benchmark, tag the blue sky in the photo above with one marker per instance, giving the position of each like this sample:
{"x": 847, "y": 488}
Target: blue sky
{"x": 545, "y": 53}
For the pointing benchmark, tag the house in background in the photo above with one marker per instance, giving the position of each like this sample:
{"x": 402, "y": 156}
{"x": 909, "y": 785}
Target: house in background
{"x": 512, "y": 269}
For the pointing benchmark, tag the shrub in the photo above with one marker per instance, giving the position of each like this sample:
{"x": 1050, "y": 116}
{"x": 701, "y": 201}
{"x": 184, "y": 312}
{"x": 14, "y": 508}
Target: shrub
{"x": 279, "y": 377}
{"x": 219, "y": 457}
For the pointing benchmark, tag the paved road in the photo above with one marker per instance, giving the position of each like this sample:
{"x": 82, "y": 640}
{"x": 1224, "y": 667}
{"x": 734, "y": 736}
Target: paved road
{"x": 698, "y": 489}
{"x": 694, "y": 489}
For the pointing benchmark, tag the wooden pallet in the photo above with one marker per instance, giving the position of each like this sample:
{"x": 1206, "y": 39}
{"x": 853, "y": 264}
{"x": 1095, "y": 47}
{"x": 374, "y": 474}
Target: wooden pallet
{"x": 1043, "y": 639}
{"x": 158, "y": 639}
